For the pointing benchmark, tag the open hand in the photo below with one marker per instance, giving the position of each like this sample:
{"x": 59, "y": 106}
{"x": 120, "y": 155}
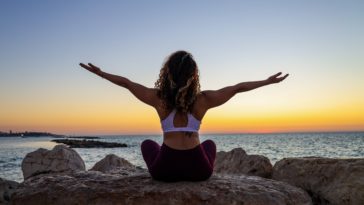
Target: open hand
{"x": 91, "y": 68}
{"x": 276, "y": 79}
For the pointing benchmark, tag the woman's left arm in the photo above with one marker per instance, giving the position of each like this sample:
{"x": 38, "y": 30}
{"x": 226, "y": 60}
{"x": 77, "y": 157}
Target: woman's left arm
{"x": 246, "y": 86}
{"x": 144, "y": 94}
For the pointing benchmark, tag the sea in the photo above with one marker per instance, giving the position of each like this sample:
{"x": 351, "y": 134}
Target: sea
{"x": 274, "y": 146}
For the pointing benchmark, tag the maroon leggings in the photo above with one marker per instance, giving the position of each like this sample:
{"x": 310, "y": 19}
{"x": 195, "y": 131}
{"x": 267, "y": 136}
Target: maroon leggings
{"x": 167, "y": 164}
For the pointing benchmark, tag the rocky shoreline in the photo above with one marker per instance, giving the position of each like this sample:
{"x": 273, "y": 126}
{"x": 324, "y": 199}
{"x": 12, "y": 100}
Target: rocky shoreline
{"x": 59, "y": 176}
{"x": 88, "y": 143}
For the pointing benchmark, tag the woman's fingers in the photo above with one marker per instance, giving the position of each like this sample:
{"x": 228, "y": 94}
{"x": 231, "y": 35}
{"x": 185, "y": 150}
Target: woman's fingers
{"x": 94, "y": 68}
{"x": 276, "y": 75}
{"x": 276, "y": 79}
{"x": 84, "y": 66}
{"x": 90, "y": 67}
{"x": 90, "y": 64}
{"x": 282, "y": 78}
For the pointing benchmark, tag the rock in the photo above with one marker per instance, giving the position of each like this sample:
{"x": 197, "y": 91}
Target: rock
{"x": 110, "y": 162}
{"x": 328, "y": 181}
{"x": 59, "y": 159}
{"x": 94, "y": 188}
{"x": 7, "y": 188}
{"x": 238, "y": 162}
{"x": 113, "y": 164}
{"x": 89, "y": 143}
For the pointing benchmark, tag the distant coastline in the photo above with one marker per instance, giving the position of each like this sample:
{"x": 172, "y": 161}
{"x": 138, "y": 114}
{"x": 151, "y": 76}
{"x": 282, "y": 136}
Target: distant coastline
{"x": 41, "y": 134}
{"x": 29, "y": 134}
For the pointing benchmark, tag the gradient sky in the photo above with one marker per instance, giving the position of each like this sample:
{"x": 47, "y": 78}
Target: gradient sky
{"x": 319, "y": 43}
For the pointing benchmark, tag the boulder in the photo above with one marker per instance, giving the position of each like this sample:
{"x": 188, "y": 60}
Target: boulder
{"x": 94, "y": 188}
{"x": 113, "y": 164}
{"x": 328, "y": 181}
{"x": 238, "y": 162}
{"x": 7, "y": 188}
{"x": 110, "y": 162}
{"x": 59, "y": 159}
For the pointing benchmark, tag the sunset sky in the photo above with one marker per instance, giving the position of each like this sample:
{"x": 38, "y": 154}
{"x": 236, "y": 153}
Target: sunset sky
{"x": 319, "y": 43}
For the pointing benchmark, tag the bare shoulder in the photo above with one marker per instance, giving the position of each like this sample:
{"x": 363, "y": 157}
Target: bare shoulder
{"x": 159, "y": 107}
{"x": 154, "y": 92}
{"x": 202, "y": 99}
{"x": 199, "y": 107}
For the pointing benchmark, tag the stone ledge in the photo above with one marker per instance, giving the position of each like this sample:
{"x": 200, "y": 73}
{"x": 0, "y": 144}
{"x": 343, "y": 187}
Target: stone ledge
{"x": 93, "y": 187}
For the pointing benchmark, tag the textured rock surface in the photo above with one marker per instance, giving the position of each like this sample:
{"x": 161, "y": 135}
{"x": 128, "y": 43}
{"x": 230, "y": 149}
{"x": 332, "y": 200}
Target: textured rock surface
{"x": 110, "y": 162}
{"x": 7, "y": 187}
{"x": 113, "y": 164}
{"x": 328, "y": 181}
{"x": 94, "y": 187}
{"x": 238, "y": 162}
{"x": 59, "y": 159}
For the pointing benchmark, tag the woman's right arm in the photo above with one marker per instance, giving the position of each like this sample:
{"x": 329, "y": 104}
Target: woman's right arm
{"x": 214, "y": 98}
{"x": 144, "y": 94}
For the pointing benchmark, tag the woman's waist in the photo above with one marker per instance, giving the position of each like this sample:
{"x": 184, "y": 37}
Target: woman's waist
{"x": 181, "y": 141}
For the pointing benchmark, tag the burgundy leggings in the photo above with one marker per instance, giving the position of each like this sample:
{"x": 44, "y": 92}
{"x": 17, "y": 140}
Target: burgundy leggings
{"x": 170, "y": 165}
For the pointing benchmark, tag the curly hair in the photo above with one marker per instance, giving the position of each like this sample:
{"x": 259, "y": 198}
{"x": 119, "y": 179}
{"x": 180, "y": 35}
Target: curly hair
{"x": 178, "y": 83}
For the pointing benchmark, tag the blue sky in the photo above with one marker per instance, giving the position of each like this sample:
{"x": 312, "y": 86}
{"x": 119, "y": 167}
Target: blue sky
{"x": 320, "y": 43}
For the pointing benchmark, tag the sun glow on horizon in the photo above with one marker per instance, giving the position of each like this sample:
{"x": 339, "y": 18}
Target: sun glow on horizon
{"x": 142, "y": 119}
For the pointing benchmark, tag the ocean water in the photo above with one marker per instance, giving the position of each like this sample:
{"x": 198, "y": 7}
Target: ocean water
{"x": 273, "y": 146}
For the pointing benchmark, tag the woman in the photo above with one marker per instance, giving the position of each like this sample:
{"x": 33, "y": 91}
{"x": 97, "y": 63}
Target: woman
{"x": 181, "y": 107}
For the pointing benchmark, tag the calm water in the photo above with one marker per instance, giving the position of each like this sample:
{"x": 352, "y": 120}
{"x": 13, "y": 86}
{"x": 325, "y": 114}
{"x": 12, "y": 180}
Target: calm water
{"x": 273, "y": 146}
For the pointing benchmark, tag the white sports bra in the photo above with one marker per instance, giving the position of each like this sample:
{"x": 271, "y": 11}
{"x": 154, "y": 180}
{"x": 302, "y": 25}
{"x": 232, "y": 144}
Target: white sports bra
{"x": 193, "y": 124}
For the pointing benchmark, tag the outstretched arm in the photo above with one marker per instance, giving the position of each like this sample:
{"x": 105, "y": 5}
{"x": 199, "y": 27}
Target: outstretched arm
{"x": 214, "y": 98}
{"x": 144, "y": 94}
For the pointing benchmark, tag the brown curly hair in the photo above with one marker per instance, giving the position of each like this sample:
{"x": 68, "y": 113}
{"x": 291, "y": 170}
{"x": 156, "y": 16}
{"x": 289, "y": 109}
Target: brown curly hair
{"x": 178, "y": 83}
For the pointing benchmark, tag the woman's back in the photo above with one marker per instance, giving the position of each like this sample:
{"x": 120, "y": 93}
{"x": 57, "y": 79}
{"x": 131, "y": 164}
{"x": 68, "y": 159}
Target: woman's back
{"x": 189, "y": 123}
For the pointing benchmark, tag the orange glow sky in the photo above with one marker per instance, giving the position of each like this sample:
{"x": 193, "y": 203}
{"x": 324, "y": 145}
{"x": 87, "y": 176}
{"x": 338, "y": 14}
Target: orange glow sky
{"x": 42, "y": 87}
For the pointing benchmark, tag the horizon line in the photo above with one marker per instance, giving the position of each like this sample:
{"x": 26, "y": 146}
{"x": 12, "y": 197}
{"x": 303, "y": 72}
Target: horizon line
{"x": 245, "y": 133}
{"x": 203, "y": 133}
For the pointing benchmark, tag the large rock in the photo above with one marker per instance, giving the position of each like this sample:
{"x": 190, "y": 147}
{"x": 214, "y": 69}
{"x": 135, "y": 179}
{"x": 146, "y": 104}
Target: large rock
{"x": 59, "y": 159}
{"x": 238, "y": 162}
{"x": 328, "y": 181}
{"x": 112, "y": 164}
{"x": 7, "y": 188}
{"x": 94, "y": 188}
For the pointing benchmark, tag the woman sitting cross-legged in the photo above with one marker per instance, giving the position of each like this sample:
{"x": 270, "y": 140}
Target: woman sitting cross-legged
{"x": 181, "y": 107}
